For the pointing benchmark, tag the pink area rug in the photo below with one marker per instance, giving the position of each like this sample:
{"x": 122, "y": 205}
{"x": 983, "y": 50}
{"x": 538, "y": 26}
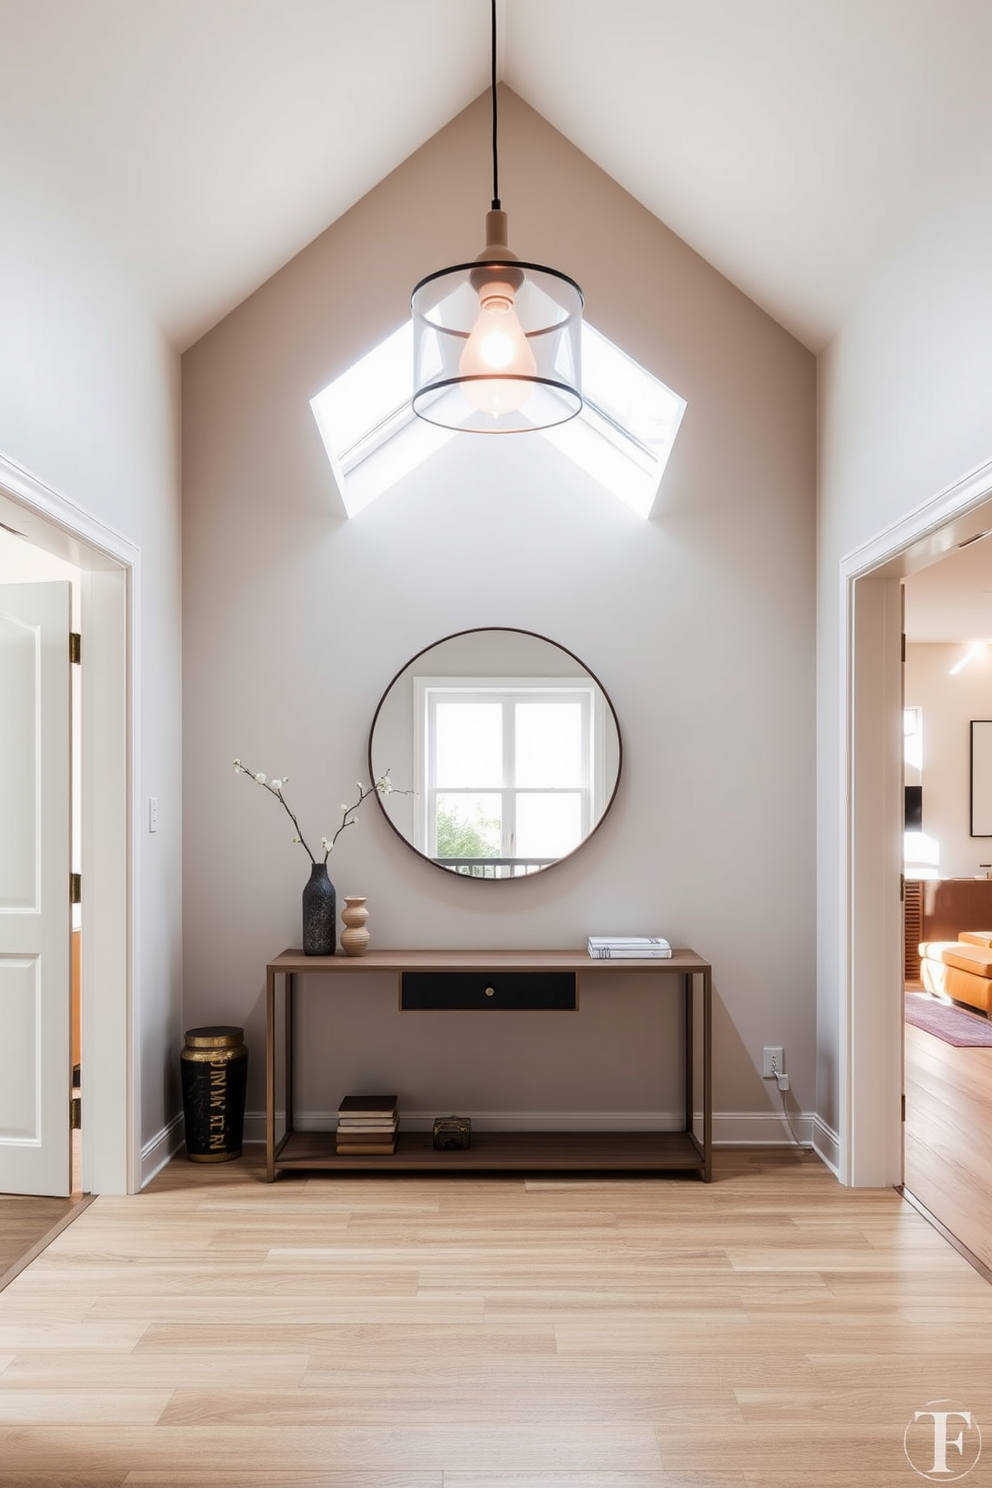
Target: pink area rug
{"x": 944, "y": 1021}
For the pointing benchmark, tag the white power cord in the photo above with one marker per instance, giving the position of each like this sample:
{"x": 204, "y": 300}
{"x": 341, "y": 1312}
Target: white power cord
{"x": 782, "y": 1081}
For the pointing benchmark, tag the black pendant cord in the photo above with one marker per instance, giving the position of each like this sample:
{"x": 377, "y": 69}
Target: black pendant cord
{"x": 496, "y": 206}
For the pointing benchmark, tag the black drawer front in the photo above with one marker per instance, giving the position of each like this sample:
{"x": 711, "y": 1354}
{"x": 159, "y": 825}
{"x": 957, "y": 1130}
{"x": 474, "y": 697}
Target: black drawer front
{"x": 488, "y": 992}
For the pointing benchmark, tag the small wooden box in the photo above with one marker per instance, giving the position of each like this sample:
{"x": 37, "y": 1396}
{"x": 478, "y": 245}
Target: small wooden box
{"x": 452, "y": 1133}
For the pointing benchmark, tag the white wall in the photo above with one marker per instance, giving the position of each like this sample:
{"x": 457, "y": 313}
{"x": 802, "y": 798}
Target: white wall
{"x": 904, "y": 397}
{"x": 699, "y": 624}
{"x": 949, "y": 704}
{"x": 89, "y": 401}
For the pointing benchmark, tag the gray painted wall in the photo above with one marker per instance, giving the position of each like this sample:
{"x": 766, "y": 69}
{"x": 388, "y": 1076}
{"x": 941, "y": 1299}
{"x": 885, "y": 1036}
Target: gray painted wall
{"x": 699, "y": 623}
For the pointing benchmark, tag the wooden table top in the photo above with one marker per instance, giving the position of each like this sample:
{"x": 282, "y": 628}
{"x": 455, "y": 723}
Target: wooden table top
{"x": 683, "y": 960}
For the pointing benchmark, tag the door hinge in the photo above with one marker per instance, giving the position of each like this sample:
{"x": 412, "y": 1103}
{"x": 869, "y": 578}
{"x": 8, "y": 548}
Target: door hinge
{"x": 75, "y": 888}
{"x": 904, "y": 1108}
{"x": 76, "y": 1113}
{"x": 902, "y": 887}
{"x": 75, "y": 647}
{"x": 904, "y": 649}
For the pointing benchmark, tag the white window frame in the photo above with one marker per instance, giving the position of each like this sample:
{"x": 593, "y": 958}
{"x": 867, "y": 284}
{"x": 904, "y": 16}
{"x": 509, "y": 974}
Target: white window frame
{"x": 429, "y": 691}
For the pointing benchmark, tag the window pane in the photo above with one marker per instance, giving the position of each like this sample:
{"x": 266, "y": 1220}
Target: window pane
{"x": 912, "y": 730}
{"x": 468, "y": 744}
{"x": 468, "y": 826}
{"x": 549, "y": 744}
{"x": 548, "y": 826}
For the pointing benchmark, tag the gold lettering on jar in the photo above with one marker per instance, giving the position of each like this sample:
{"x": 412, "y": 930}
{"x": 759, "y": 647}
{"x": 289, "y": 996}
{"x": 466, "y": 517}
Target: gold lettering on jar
{"x": 218, "y": 1083}
{"x": 218, "y": 1103}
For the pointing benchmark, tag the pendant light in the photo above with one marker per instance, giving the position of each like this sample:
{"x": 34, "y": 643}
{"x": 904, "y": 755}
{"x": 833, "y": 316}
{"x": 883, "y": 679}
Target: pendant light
{"x": 496, "y": 343}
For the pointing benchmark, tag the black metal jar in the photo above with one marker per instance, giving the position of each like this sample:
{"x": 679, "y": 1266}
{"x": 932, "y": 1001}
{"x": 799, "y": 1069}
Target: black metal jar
{"x": 215, "y": 1076}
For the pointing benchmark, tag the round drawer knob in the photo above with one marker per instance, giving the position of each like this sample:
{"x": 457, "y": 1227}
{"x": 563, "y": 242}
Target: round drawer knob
{"x": 490, "y": 991}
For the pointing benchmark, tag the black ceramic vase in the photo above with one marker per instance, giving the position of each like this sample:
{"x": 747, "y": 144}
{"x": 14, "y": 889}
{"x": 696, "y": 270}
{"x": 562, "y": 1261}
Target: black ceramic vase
{"x": 320, "y": 914}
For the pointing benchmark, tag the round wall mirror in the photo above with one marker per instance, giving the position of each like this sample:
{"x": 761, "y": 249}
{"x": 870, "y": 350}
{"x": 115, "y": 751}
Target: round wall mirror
{"x": 503, "y": 751}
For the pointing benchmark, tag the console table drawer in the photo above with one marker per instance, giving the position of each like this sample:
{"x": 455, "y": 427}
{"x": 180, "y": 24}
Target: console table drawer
{"x": 480, "y": 991}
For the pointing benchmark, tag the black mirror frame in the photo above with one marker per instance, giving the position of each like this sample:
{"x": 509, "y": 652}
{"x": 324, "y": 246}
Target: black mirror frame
{"x": 507, "y": 630}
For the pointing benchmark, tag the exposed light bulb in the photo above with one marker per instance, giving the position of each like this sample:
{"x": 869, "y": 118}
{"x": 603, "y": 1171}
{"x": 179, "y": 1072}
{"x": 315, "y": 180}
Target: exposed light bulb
{"x": 497, "y": 352}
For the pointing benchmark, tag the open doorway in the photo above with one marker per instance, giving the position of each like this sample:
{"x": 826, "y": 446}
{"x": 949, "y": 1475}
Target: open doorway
{"x": 948, "y": 1036}
{"x": 42, "y": 522}
{"x": 871, "y": 921}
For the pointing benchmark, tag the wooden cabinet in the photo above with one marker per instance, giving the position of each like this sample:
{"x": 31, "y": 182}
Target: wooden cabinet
{"x": 540, "y": 975}
{"x": 913, "y": 927}
{"x": 939, "y": 909}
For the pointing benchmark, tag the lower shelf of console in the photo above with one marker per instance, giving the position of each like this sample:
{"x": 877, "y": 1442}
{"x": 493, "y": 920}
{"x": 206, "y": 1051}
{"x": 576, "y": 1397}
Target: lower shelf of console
{"x": 508, "y": 1151}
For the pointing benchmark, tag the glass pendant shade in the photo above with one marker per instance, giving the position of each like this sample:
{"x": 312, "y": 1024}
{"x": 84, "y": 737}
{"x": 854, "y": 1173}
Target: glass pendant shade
{"x": 496, "y": 343}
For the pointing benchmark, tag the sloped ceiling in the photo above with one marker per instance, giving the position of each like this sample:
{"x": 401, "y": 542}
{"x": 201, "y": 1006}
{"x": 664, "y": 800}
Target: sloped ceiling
{"x": 793, "y": 143}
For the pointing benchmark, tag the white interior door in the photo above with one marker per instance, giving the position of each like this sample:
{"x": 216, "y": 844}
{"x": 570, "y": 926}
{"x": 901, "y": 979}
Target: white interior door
{"x": 35, "y": 915}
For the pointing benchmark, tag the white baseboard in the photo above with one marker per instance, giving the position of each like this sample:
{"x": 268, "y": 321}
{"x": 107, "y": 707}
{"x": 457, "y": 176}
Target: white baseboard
{"x": 826, "y": 1144}
{"x": 730, "y": 1128}
{"x": 158, "y": 1151}
{"x": 760, "y": 1129}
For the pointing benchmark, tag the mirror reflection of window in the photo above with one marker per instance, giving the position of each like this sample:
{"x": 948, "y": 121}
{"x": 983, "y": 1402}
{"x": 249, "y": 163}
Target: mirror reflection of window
{"x": 513, "y": 765}
{"x": 508, "y": 771}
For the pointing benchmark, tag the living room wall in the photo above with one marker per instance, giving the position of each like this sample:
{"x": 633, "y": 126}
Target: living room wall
{"x": 699, "y": 623}
{"x": 949, "y": 703}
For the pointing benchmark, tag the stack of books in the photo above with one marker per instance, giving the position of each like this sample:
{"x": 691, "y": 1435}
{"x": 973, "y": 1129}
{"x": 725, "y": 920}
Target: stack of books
{"x": 628, "y": 947}
{"x": 367, "y": 1124}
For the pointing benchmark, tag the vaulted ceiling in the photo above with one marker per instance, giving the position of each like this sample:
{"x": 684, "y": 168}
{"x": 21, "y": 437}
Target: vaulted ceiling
{"x": 793, "y": 143}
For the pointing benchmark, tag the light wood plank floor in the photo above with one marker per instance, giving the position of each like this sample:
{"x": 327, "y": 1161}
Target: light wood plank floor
{"x": 26, "y": 1224}
{"x": 491, "y": 1332}
{"x": 948, "y": 1136}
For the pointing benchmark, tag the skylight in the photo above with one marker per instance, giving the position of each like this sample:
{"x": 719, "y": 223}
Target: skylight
{"x": 622, "y": 437}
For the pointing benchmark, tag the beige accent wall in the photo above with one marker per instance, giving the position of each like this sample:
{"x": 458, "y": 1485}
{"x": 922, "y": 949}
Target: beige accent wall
{"x": 89, "y": 404}
{"x": 699, "y": 623}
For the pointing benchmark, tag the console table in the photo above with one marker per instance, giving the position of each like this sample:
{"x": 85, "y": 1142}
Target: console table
{"x": 463, "y": 976}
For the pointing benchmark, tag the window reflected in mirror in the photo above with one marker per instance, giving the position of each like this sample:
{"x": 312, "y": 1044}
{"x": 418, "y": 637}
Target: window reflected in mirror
{"x": 513, "y": 747}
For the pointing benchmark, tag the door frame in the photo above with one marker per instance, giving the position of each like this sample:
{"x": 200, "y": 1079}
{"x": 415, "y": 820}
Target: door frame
{"x": 110, "y": 575}
{"x": 870, "y": 928}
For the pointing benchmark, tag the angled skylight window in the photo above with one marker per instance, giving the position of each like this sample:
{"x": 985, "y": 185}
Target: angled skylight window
{"x": 622, "y": 437}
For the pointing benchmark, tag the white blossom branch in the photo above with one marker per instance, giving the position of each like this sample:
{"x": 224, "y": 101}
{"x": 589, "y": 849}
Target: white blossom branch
{"x": 383, "y": 787}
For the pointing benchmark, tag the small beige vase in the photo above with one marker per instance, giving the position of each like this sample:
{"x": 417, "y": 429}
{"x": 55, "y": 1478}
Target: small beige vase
{"x": 354, "y": 937}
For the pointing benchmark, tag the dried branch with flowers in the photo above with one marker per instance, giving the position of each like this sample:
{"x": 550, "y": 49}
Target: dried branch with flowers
{"x": 383, "y": 787}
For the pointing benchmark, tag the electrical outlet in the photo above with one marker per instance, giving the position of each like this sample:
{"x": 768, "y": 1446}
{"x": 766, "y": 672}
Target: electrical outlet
{"x": 772, "y": 1063}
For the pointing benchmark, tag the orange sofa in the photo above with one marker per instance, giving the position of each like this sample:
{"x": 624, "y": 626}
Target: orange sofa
{"x": 960, "y": 969}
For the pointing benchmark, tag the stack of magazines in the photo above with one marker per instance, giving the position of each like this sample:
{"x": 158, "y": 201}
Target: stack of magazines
{"x": 367, "y": 1124}
{"x": 628, "y": 947}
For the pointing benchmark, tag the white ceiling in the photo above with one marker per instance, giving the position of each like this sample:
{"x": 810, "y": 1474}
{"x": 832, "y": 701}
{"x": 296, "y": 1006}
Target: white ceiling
{"x": 793, "y": 143}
